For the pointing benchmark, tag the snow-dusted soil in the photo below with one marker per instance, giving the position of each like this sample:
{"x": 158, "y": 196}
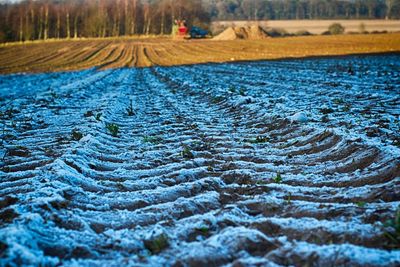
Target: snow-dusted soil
{"x": 291, "y": 162}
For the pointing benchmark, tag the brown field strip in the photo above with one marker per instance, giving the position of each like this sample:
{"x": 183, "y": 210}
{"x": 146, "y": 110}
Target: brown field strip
{"x": 109, "y": 53}
{"x": 319, "y": 26}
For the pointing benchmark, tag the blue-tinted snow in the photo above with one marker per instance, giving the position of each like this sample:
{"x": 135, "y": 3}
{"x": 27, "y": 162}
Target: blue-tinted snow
{"x": 330, "y": 127}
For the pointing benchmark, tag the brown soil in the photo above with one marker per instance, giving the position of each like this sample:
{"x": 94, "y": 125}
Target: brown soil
{"x": 126, "y": 52}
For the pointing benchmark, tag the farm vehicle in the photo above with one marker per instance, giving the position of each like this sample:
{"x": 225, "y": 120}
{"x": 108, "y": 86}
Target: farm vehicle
{"x": 181, "y": 31}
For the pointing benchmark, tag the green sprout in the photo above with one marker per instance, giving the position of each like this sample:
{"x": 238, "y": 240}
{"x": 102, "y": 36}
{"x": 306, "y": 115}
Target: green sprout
{"x": 326, "y": 110}
{"x": 76, "y": 135}
{"x": 157, "y": 244}
{"x": 217, "y": 99}
{"x": 392, "y": 229}
{"x": 361, "y": 204}
{"x": 53, "y": 94}
{"x": 113, "y": 129}
{"x": 186, "y": 153}
{"x": 129, "y": 109}
{"x": 338, "y": 101}
{"x": 278, "y": 178}
{"x": 203, "y": 229}
{"x": 289, "y": 199}
{"x": 259, "y": 140}
{"x": 88, "y": 113}
{"x": 346, "y": 108}
{"x": 152, "y": 139}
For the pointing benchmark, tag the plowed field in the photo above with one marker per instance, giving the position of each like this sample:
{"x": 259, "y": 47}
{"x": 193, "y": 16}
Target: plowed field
{"x": 288, "y": 162}
{"x": 115, "y": 53}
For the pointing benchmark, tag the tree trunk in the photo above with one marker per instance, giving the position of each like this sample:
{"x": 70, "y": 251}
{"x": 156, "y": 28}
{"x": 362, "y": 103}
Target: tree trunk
{"x": 100, "y": 23}
{"x": 116, "y": 20}
{"x": 103, "y": 34}
{"x": 76, "y": 26}
{"x": 40, "y": 23}
{"x": 358, "y": 7}
{"x": 28, "y": 27}
{"x": 133, "y": 20}
{"x": 348, "y": 10}
{"x": 114, "y": 28}
{"x": 145, "y": 17}
{"x": 171, "y": 4}
{"x": 46, "y": 22}
{"x": 127, "y": 18}
{"x": 21, "y": 31}
{"x": 58, "y": 24}
{"x": 148, "y": 26}
{"x": 32, "y": 12}
{"x": 389, "y": 5}
{"x": 68, "y": 26}
{"x": 162, "y": 20}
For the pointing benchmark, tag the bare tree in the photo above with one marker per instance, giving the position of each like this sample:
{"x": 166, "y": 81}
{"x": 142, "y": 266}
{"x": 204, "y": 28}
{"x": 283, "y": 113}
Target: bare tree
{"x": 371, "y": 7}
{"x": 21, "y": 23}
{"x": 127, "y": 18}
{"x": 134, "y": 14}
{"x": 58, "y": 24}
{"x": 76, "y": 26}
{"x": 67, "y": 20}
{"x": 115, "y": 10}
{"x": 162, "y": 9}
{"x": 389, "y": 6}
{"x": 46, "y": 21}
{"x": 40, "y": 23}
{"x": 146, "y": 17}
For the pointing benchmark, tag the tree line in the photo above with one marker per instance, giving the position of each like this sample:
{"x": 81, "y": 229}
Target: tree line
{"x": 43, "y": 19}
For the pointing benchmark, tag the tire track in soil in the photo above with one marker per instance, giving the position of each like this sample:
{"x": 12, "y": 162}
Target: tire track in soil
{"x": 196, "y": 167}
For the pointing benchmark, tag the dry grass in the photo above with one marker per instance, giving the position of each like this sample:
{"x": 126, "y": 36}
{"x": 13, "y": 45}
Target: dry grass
{"x": 125, "y": 52}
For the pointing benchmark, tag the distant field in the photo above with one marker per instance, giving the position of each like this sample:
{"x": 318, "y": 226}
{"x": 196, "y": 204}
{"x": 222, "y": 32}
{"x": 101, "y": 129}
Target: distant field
{"x": 319, "y": 26}
{"x": 114, "y": 53}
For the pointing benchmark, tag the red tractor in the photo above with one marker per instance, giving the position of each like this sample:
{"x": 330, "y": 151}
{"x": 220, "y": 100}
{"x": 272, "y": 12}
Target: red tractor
{"x": 179, "y": 29}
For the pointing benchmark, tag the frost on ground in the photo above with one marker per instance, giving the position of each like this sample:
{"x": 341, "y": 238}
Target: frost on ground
{"x": 291, "y": 162}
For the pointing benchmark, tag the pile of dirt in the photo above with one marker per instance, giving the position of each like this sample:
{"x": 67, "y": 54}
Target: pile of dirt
{"x": 253, "y": 32}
